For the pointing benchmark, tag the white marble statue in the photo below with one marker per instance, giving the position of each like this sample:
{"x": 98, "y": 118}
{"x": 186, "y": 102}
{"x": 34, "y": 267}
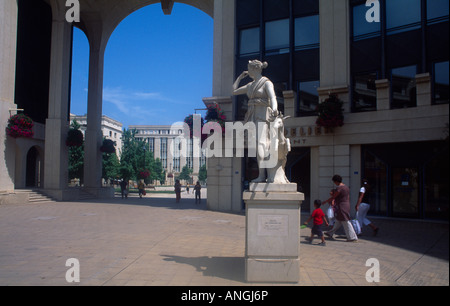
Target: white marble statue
{"x": 263, "y": 108}
{"x": 277, "y": 174}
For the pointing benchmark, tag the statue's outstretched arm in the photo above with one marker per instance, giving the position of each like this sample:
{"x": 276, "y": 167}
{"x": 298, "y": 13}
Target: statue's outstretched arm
{"x": 240, "y": 90}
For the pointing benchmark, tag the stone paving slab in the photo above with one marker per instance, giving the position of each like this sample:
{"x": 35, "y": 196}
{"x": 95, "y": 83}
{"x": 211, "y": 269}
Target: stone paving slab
{"x": 155, "y": 242}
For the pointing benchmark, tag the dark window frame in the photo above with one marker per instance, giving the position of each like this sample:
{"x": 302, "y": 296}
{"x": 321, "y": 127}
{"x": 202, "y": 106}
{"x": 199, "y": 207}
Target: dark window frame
{"x": 424, "y": 56}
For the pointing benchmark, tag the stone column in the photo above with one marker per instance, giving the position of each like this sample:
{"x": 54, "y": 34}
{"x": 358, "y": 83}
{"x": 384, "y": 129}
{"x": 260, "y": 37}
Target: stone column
{"x": 290, "y": 99}
{"x": 224, "y": 173}
{"x": 383, "y": 94}
{"x": 57, "y": 124}
{"x": 94, "y": 135}
{"x": 334, "y": 43}
{"x": 333, "y": 159}
{"x": 423, "y": 84}
{"x": 157, "y": 152}
{"x": 224, "y": 30}
{"x": 170, "y": 154}
{"x": 8, "y": 43}
{"x": 272, "y": 236}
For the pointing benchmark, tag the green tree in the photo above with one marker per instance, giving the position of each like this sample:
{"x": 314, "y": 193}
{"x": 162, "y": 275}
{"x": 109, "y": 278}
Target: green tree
{"x": 129, "y": 158}
{"x": 185, "y": 174}
{"x": 157, "y": 171}
{"x": 111, "y": 166}
{"x": 202, "y": 174}
{"x": 76, "y": 158}
{"x": 136, "y": 157}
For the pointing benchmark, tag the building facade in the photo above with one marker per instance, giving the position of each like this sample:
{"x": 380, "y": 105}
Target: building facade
{"x": 111, "y": 129}
{"x": 164, "y": 142}
{"x": 388, "y": 62}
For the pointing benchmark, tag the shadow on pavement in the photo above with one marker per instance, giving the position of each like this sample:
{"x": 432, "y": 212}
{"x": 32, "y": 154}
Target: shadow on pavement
{"x": 230, "y": 268}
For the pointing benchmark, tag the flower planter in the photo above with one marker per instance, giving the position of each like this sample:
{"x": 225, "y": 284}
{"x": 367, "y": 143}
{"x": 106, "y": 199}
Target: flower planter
{"x": 74, "y": 138}
{"x": 330, "y": 114}
{"x": 20, "y": 125}
{"x": 108, "y": 147}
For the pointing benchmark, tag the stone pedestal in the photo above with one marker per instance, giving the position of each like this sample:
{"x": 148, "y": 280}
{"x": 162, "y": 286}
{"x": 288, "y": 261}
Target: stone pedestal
{"x": 272, "y": 235}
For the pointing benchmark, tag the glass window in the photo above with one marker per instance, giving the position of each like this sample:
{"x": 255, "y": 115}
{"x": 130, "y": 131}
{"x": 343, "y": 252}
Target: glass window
{"x": 276, "y": 9}
{"x": 402, "y": 15}
{"x": 249, "y": 41}
{"x": 164, "y": 152}
{"x": 176, "y": 154}
{"x": 436, "y": 9}
{"x": 361, "y": 28}
{"x": 277, "y": 35}
{"x": 441, "y": 83}
{"x": 151, "y": 145}
{"x": 307, "y": 32}
{"x": 403, "y": 84}
{"x": 365, "y": 92}
{"x": 190, "y": 155}
{"x": 308, "y": 97}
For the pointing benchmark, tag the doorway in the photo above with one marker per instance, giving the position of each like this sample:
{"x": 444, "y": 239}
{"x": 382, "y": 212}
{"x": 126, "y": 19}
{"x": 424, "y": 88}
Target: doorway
{"x": 298, "y": 170}
{"x": 33, "y": 169}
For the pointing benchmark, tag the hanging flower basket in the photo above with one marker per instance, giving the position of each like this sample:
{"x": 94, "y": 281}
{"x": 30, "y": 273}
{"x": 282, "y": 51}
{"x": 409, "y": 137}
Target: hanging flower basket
{"x": 20, "y": 125}
{"x": 215, "y": 114}
{"x": 330, "y": 113}
{"x": 143, "y": 174}
{"x": 108, "y": 146}
{"x": 189, "y": 120}
{"x": 74, "y": 138}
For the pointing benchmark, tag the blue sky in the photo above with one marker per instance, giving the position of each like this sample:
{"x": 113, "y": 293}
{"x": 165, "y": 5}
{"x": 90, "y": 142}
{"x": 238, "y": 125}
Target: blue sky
{"x": 157, "y": 67}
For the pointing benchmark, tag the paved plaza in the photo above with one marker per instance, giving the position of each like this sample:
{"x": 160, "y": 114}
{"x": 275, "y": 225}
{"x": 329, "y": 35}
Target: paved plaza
{"x": 156, "y": 242}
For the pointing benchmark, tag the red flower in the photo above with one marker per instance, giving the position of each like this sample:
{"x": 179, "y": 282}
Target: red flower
{"x": 20, "y": 125}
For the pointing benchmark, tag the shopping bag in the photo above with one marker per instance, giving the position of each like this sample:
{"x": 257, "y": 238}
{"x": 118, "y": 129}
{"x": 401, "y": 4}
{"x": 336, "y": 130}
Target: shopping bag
{"x": 330, "y": 213}
{"x": 356, "y": 226}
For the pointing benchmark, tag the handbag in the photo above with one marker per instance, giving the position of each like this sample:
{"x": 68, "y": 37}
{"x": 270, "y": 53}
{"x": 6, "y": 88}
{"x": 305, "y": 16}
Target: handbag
{"x": 330, "y": 213}
{"x": 356, "y": 226}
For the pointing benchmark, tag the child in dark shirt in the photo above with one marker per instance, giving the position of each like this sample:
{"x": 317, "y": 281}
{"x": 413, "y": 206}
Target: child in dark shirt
{"x": 319, "y": 218}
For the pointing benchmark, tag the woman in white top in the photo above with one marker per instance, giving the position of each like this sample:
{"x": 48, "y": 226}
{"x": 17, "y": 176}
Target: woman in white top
{"x": 362, "y": 207}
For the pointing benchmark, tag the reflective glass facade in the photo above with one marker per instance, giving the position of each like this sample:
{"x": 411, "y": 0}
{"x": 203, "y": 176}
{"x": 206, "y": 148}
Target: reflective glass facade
{"x": 395, "y": 68}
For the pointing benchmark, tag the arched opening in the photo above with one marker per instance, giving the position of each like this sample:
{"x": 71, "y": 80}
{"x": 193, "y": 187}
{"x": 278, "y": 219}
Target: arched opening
{"x": 157, "y": 68}
{"x": 80, "y": 72}
{"x": 33, "y": 168}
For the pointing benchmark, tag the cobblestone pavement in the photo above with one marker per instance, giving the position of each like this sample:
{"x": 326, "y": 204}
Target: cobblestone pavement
{"x": 154, "y": 241}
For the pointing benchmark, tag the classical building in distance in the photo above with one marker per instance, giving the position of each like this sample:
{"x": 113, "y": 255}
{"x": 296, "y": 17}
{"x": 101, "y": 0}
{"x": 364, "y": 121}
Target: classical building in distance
{"x": 160, "y": 140}
{"x": 111, "y": 129}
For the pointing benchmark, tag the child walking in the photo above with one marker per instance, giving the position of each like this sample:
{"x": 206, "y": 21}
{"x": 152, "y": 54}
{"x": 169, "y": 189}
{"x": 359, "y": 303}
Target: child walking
{"x": 319, "y": 218}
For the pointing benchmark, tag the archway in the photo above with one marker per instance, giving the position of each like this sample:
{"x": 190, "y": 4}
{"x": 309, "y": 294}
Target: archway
{"x": 128, "y": 91}
{"x": 33, "y": 168}
{"x": 98, "y": 21}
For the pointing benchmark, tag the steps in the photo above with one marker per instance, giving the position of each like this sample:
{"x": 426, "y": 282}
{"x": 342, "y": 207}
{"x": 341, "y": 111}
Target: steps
{"x": 35, "y": 196}
{"x": 84, "y": 195}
